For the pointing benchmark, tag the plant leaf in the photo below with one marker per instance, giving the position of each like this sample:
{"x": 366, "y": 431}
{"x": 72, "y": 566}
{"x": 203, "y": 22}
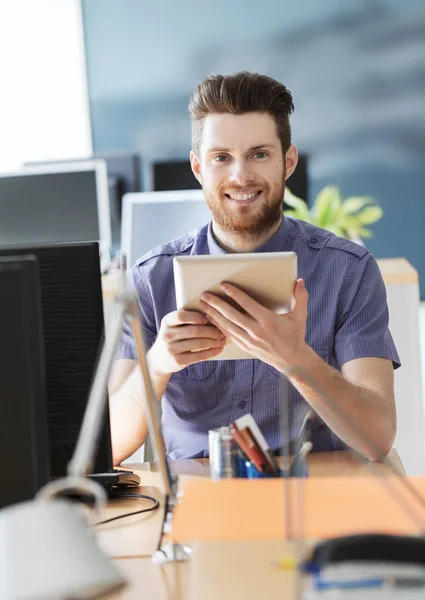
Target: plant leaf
{"x": 303, "y": 216}
{"x": 362, "y": 232}
{"x": 355, "y": 203}
{"x": 290, "y": 213}
{"x": 293, "y": 201}
{"x": 300, "y": 208}
{"x": 369, "y": 215}
{"x": 339, "y": 231}
{"x": 327, "y": 205}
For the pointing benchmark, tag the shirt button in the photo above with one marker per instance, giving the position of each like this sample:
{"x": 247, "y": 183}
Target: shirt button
{"x": 184, "y": 372}
{"x": 242, "y": 404}
{"x": 313, "y": 240}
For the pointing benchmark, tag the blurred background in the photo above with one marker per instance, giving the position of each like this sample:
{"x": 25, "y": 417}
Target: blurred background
{"x": 111, "y": 81}
{"x": 111, "y": 76}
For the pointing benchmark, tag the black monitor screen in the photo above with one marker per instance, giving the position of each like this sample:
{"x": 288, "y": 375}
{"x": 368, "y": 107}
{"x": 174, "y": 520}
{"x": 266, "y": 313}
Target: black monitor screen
{"x": 298, "y": 181}
{"x": 23, "y": 423}
{"x": 174, "y": 175}
{"x": 71, "y": 299}
{"x": 50, "y": 207}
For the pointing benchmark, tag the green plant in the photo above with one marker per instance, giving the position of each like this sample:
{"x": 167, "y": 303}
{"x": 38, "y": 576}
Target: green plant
{"x": 346, "y": 218}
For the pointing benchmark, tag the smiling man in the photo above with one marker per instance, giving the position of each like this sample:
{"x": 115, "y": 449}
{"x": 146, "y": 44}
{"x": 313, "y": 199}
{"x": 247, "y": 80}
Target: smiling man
{"x": 335, "y": 339}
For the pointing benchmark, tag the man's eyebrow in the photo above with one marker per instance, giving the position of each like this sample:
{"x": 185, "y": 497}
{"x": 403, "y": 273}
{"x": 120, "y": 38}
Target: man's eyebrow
{"x": 252, "y": 149}
{"x": 218, "y": 149}
{"x": 260, "y": 147}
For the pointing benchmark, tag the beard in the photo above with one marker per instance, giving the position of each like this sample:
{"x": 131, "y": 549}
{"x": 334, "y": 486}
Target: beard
{"x": 247, "y": 219}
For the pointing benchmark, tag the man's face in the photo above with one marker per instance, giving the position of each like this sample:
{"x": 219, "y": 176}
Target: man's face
{"x": 242, "y": 171}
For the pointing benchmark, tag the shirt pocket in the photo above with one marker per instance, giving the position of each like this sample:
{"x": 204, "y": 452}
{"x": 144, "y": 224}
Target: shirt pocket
{"x": 197, "y": 372}
{"x": 192, "y": 390}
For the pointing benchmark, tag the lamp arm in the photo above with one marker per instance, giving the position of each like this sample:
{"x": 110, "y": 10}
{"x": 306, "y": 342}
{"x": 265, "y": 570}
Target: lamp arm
{"x": 83, "y": 458}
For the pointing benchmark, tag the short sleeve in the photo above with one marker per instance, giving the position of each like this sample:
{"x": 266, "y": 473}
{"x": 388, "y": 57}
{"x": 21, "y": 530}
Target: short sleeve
{"x": 127, "y": 347}
{"x": 362, "y": 321}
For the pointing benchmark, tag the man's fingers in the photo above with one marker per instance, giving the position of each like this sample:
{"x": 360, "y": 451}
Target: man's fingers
{"x": 196, "y": 344}
{"x": 215, "y": 307}
{"x": 300, "y": 306}
{"x": 192, "y": 331}
{"x": 217, "y": 326}
{"x": 195, "y": 357}
{"x": 184, "y": 317}
{"x": 227, "y": 327}
{"x": 251, "y": 306}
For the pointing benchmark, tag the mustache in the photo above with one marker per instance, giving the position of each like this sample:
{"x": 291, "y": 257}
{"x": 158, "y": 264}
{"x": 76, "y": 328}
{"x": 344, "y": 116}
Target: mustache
{"x": 251, "y": 188}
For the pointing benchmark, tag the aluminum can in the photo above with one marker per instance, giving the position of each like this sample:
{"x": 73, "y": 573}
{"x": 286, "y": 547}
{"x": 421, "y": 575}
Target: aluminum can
{"x": 223, "y": 453}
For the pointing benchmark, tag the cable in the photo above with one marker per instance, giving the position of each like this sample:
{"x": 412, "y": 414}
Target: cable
{"x": 136, "y": 512}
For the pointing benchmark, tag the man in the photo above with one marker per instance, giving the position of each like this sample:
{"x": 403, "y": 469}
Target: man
{"x": 336, "y": 336}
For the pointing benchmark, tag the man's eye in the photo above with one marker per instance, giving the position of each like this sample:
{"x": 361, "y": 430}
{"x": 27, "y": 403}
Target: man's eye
{"x": 220, "y": 158}
{"x": 260, "y": 155}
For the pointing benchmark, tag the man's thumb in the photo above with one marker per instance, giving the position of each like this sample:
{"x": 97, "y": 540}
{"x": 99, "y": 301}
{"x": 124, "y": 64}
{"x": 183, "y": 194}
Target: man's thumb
{"x": 300, "y": 297}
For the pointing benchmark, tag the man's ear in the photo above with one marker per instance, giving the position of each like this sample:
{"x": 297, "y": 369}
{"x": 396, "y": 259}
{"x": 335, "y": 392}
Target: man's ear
{"x": 291, "y": 160}
{"x": 196, "y": 166}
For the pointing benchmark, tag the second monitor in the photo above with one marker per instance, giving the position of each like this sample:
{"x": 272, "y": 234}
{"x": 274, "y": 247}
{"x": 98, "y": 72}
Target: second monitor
{"x": 64, "y": 202}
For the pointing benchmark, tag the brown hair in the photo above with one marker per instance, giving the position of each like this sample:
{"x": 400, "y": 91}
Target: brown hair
{"x": 239, "y": 94}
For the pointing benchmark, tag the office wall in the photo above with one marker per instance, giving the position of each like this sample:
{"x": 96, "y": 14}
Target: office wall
{"x": 43, "y": 87}
{"x": 356, "y": 71}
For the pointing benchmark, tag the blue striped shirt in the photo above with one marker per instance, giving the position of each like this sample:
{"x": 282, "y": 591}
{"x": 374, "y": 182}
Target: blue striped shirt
{"x": 347, "y": 319}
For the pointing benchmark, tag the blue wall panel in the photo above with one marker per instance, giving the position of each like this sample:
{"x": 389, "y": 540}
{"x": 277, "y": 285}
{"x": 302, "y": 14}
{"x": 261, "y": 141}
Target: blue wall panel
{"x": 356, "y": 71}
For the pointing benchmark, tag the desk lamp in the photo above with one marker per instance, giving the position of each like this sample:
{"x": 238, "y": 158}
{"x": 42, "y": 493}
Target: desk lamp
{"x": 47, "y": 550}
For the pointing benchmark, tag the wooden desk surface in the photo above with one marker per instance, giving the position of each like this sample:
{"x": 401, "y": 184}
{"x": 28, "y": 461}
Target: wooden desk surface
{"x": 131, "y": 541}
{"x": 397, "y": 271}
{"x": 226, "y": 576}
{"x": 137, "y": 536}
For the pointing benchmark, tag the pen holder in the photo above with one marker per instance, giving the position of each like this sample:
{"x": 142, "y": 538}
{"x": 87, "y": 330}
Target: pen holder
{"x": 228, "y": 461}
{"x": 299, "y": 470}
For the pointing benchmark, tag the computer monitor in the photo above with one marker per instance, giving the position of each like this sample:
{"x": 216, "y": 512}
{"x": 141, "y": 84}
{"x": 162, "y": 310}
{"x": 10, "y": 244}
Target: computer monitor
{"x": 298, "y": 181}
{"x": 125, "y": 167}
{"x": 154, "y": 218}
{"x": 64, "y": 202}
{"x": 24, "y": 447}
{"x": 174, "y": 175}
{"x": 177, "y": 175}
{"x": 71, "y": 299}
{"x": 124, "y": 177}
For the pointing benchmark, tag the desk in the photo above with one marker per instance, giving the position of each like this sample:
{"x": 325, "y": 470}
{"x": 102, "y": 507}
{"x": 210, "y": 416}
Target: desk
{"x": 130, "y": 542}
{"x": 401, "y": 282}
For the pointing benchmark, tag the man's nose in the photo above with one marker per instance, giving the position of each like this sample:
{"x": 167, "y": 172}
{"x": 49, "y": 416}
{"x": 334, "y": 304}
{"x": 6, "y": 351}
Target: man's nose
{"x": 240, "y": 173}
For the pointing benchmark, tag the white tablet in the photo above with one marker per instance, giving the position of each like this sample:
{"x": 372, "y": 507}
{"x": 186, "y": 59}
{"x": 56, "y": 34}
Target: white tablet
{"x": 268, "y": 277}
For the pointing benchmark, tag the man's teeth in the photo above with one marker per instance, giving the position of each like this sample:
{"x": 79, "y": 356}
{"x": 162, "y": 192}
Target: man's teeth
{"x": 243, "y": 196}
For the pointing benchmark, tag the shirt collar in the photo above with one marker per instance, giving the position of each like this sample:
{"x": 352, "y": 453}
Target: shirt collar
{"x": 274, "y": 244}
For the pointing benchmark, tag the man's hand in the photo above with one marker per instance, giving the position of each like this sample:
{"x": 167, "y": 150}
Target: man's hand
{"x": 275, "y": 339}
{"x": 184, "y": 338}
